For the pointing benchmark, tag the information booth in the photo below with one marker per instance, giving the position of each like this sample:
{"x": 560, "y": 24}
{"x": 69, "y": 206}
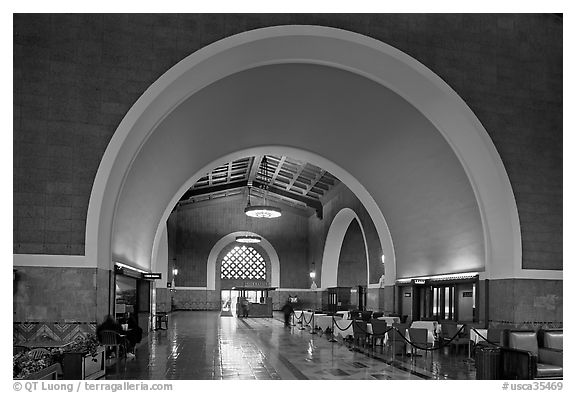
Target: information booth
{"x": 259, "y": 299}
{"x": 338, "y": 299}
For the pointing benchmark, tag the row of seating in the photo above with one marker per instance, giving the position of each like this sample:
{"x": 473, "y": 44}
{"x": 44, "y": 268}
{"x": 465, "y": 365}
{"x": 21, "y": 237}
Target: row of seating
{"x": 369, "y": 315}
{"x": 532, "y": 354}
{"x": 393, "y": 335}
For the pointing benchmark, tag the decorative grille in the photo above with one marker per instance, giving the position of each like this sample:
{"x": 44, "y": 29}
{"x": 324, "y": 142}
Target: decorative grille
{"x": 243, "y": 262}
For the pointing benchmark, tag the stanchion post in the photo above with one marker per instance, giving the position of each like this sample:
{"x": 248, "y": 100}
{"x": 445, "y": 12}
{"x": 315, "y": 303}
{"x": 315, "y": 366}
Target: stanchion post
{"x": 303, "y": 319}
{"x": 470, "y": 343}
{"x": 332, "y": 339}
{"x": 313, "y": 323}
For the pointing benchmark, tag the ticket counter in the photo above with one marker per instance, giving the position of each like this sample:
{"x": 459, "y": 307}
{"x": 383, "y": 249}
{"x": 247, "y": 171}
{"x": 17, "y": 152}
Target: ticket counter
{"x": 259, "y": 299}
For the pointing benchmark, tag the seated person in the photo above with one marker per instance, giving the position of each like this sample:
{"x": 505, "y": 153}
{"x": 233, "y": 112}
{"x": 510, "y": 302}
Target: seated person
{"x": 109, "y": 324}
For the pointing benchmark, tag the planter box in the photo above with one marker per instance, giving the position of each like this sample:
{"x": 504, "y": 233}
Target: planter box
{"x": 77, "y": 365}
{"x": 50, "y": 372}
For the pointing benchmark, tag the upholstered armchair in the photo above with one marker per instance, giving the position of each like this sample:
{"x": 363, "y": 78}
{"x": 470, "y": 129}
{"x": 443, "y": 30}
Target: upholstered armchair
{"x": 522, "y": 358}
{"x": 551, "y": 339}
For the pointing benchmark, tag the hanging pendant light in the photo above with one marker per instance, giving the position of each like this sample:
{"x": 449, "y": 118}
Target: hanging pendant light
{"x": 262, "y": 211}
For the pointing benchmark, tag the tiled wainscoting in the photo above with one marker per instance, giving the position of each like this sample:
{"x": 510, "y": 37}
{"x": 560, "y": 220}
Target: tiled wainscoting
{"x": 192, "y": 299}
{"x": 59, "y": 331}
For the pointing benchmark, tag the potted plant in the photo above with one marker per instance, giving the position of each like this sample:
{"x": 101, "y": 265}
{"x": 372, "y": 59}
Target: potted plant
{"x": 25, "y": 366}
{"x": 84, "y": 359}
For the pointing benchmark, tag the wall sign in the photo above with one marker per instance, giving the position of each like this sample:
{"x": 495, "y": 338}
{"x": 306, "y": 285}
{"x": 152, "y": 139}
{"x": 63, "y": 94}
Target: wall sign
{"x": 467, "y": 294}
{"x": 152, "y": 276}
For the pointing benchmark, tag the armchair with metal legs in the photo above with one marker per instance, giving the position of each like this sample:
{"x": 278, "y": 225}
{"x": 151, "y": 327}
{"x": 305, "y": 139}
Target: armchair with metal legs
{"x": 419, "y": 339}
{"x": 360, "y": 330}
{"x": 395, "y": 340}
{"x": 379, "y": 329}
{"x": 116, "y": 341}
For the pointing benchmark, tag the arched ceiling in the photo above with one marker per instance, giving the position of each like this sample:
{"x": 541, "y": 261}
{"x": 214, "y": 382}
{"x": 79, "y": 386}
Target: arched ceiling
{"x": 403, "y": 162}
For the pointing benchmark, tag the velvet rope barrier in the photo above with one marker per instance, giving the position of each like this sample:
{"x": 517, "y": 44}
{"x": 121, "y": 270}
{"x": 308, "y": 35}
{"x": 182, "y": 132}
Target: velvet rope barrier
{"x": 410, "y": 342}
{"x": 304, "y": 319}
{"x": 336, "y": 324}
{"x": 426, "y": 348}
{"x": 299, "y": 319}
{"x": 444, "y": 344}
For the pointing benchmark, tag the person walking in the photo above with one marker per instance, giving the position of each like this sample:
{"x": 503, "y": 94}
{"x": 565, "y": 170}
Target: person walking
{"x": 287, "y": 310}
{"x": 245, "y": 306}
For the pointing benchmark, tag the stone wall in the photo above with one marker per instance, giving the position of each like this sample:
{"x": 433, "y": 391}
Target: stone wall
{"x": 55, "y": 294}
{"x": 163, "y": 300}
{"x": 57, "y": 303}
{"x": 200, "y": 225}
{"x": 525, "y": 303}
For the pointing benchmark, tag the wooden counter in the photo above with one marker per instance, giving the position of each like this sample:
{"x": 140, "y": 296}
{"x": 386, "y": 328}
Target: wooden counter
{"x": 260, "y": 310}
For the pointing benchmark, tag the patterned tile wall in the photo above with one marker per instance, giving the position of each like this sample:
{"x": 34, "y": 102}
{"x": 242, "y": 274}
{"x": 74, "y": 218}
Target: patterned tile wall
{"x": 58, "y": 331}
{"x": 196, "y": 299}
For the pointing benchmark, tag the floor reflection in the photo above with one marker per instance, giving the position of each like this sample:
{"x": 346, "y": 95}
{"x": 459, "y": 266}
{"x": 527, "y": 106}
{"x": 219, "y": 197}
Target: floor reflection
{"x": 200, "y": 345}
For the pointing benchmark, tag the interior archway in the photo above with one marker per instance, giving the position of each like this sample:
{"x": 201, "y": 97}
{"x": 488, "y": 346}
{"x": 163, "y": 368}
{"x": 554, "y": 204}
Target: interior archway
{"x": 415, "y": 91}
{"x": 211, "y": 273}
{"x": 333, "y": 245}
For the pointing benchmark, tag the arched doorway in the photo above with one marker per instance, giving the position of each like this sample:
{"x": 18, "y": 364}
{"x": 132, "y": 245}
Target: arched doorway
{"x": 333, "y": 245}
{"x": 242, "y": 266}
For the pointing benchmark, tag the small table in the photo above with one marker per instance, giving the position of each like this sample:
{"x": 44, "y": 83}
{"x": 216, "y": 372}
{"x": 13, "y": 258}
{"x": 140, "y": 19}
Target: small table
{"x": 325, "y": 321}
{"x": 431, "y": 326}
{"x": 389, "y": 320}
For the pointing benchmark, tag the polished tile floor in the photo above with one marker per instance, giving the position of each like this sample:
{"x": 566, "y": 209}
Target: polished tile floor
{"x": 202, "y": 345}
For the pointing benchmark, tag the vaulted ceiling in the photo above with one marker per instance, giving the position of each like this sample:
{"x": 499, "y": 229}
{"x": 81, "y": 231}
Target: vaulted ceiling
{"x": 285, "y": 179}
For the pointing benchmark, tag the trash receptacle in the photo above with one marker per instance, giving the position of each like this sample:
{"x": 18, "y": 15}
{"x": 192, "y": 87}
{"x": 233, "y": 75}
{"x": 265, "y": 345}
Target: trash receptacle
{"x": 488, "y": 363}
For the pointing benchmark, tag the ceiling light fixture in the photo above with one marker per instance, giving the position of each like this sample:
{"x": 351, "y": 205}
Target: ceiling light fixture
{"x": 262, "y": 211}
{"x": 248, "y": 239}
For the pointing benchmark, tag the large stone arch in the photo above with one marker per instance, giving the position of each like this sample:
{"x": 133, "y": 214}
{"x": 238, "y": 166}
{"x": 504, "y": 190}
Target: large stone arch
{"x": 110, "y": 219}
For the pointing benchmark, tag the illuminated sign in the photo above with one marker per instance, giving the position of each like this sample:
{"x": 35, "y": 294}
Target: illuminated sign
{"x": 407, "y": 294}
{"x": 419, "y": 282}
{"x": 152, "y": 276}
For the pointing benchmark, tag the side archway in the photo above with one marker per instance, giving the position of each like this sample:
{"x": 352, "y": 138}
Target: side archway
{"x": 333, "y": 245}
{"x": 211, "y": 272}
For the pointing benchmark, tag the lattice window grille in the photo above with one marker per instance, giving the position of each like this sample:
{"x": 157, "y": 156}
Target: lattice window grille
{"x": 243, "y": 262}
